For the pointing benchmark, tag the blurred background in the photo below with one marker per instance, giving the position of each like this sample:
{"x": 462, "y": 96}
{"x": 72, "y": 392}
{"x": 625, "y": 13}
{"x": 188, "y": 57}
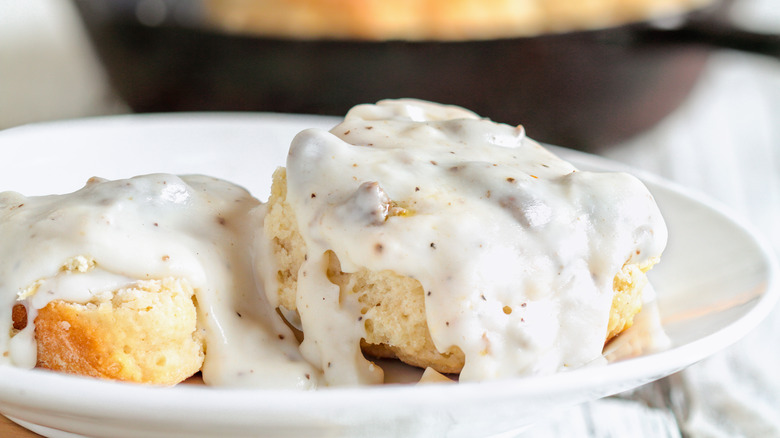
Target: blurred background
{"x": 574, "y": 73}
{"x": 687, "y": 89}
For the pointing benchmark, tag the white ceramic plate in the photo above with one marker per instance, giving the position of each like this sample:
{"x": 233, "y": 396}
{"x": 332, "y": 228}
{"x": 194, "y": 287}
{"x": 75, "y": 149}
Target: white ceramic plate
{"x": 715, "y": 283}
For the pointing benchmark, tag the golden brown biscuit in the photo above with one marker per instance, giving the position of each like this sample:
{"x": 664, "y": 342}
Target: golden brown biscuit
{"x": 144, "y": 333}
{"x": 432, "y": 19}
{"x": 627, "y": 302}
{"x": 394, "y": 305}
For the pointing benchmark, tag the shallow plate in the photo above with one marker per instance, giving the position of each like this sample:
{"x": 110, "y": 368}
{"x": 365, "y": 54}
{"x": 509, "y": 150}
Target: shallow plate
{"x": 715, "y": 283}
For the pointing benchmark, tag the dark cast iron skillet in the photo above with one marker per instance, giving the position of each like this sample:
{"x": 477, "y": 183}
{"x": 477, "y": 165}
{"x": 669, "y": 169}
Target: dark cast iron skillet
{"x": 584, "y": 90}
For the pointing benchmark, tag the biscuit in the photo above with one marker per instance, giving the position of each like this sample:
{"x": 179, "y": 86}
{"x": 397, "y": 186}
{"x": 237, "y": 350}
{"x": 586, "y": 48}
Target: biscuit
{"x": 144, "y": 333}
{"x": 431, "y": 19}
{"x": 394, "y": 305}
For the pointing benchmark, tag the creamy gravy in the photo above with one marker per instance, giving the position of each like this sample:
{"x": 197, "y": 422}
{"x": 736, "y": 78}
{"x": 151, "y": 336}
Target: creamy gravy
{"x": 515, "y": 248}
{"x": 150, "y": 227}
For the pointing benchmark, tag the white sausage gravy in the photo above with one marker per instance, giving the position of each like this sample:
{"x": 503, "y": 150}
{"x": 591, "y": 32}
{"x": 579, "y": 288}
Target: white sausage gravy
{"x": 515, "y": 248}
{"x": 151, "y": 227}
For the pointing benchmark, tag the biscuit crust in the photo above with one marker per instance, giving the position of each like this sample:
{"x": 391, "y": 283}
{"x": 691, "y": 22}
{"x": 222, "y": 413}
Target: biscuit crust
{"x": 145, "y": 333}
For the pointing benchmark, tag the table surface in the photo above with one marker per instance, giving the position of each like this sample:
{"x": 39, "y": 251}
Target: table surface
{"x": 9, "y": 429}
{"x": 724, "y": 142}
